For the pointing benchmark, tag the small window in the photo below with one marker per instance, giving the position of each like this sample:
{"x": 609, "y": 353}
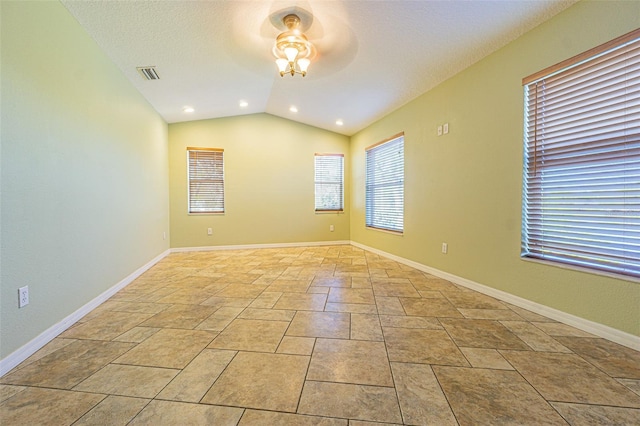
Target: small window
{"x": 206, "y": 180}
{"x": 385, "y": 185}
{"x": 329, "y": 182}
{"x": 581, "y": 177}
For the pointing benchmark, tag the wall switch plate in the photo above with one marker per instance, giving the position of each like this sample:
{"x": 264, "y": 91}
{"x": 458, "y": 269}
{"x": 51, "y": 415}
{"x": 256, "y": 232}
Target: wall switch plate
{"x": 209, "y": 231}
{"x": 23, "y": 296}
{"x": 445, "y": 248}
{"x": 445, "y": 128}
{"x": 331, "y": 228}
{"x": 439, "y": 130}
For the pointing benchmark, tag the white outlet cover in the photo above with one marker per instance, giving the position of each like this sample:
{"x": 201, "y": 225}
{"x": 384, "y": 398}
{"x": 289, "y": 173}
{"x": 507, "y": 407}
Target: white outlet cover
{"x": 445, "y": 128}
{"x": 23, "y": 296}
{"x": 439, "y": 130}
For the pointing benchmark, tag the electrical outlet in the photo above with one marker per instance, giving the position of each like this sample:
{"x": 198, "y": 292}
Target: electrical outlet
{"x": 439, "y": 130}
{"x": 445, "y": 248}
{"x": 445, "y": 128}
{"x": 331, "y": 228}
{"x": 209, "y": 231}
{"x": 23, "y": 296}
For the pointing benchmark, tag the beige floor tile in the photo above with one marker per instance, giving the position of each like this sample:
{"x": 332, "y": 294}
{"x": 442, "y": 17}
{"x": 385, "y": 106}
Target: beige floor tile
{"x": 421, "y": 399}
{"x": 318, "y": 290}
{"x": 473, "y": 300}
{"x": 180, "y": 316}
{"x": 478, "y": 396}
{"x": 429, "y": 308}
{"x": 355, "y": 308}
{"x": 528, "y": 315}
{"x": 586, "y": 415}
{"x": 350, "y": 361}
{"x": 68, "y": 366}
{"x": 559, "y": 329}
{"x": 128, "y": 380}
{"x": 632, "y": 384}
{"x": 320, "y": 324}
{"x": 361, "y": 282}
{"x": 289, "y": 286}
{"x": 394, "y": 290}
{"x": 296, "y": 345}
{"x": 225, "y": 302}
{"x": 266, "y": 300}
{"x": 35, "y": 406}
{"x": 361, "y": 423}
{"x": 260, "y": 418}
{"x": 301, "y": 302}
{"x": 332, "y": 282}
{"x": 251, "y": 335}
{"x": 182, "y": 413}
{"x": 370, "y": 403}
{"x": 242, "y": 290}
{"x": 114, "y": 411}
{"x": 490, "y": 314}
{"x": 49, "y": 348}
{"x": 168, "y": 348}
{"x": 351, "y": 295}
{"x": 389, "y": 306}
{"x": 267, "y": 314}
{"x": 7, "y": 391}
{"x": 422, "y": 346}
{"x": 486, "y": 358}
{"x": 435, "y": 284}
{"x": 568, "y": 378}
{"x": 403, "y": 321}
{"x": 260, "y": 380}
{"x": 187, "y": 296}
{"x": 106, "y": 326}
{"x": 535, "y": 338}
{"x": 366, "y": 327}
{"x": 220, "y": 319}
{"x": 430, "y": 294}
{"x": 613, "y": 359}
{"x": 482, "y": 334}
{"x": 137, "y": 334}
{"x": 197, "y": 377}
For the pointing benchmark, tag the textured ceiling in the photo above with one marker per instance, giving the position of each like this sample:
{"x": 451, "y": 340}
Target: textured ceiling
{"x": 373, "y": 56}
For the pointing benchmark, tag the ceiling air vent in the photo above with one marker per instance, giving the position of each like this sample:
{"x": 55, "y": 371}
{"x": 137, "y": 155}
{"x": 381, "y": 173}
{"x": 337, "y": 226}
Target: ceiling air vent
{"x": 149, "y": 73}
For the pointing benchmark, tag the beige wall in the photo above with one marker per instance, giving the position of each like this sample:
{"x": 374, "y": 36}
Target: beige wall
{"x": 269, "y": 188}
{"x": 464, "y": 188}
{"x": 84, "y": 171}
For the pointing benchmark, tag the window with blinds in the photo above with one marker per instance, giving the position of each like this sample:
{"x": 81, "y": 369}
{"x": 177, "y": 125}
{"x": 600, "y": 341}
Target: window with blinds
{"x": 329, "y": 182}
{"x": 581, "y": 177}
{"x": 384, "y": 186}
{"x": 205, "y": 171}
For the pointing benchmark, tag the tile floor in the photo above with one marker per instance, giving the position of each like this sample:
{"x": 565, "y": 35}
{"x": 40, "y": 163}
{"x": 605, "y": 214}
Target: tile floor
{"x": 316, "y": 336}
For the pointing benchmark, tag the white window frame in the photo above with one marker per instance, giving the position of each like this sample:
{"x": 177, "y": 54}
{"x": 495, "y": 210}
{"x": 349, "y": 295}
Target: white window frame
{"x": 384, "y": 185}
{"x": 581, "y": 169}
{"x": 205, "y": 181}
{"x": 329, "y": 182}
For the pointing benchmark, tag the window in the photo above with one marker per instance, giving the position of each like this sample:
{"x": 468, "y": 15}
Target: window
{"x": 384, "y": 194}
{"x": 581, "y": 177}
{"x": 206, "y": 180}
{"x": 329, "y": 181}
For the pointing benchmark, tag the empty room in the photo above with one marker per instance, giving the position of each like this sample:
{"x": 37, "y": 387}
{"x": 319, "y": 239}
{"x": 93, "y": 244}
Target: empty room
{"x": 320, "y": 212}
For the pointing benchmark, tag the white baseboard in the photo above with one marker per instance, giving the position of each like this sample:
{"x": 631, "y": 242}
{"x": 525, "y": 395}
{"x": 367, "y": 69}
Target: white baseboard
{"x": 24, "y": 352}
{"x": 601, "y": 330}
{"x": 261, "y": 246}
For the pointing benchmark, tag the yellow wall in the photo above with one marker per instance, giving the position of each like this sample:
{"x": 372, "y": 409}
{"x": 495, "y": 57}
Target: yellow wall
{"x": 269, "y": 187}
{"x": 464, "y": 188}
{"x": 84, "y": 171}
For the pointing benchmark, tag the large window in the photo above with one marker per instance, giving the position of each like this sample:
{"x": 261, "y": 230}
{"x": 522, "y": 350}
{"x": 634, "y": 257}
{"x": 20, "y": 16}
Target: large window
{"x": 385, "y": 185}
{"x": 206, "y": 180}
{"x": 329, "y": 182}
{"x": 581, "y": 195}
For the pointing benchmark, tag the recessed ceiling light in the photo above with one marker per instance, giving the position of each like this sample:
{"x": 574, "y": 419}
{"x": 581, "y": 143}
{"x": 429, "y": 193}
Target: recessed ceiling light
{"x": 244, "y": 104}
{"x": 293, "y": 108}
{"x": 188, "y": 109}
{"x": 339, "y": 122}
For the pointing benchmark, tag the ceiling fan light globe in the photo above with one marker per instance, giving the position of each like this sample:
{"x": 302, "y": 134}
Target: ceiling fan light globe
{"x": 291, "y": 53}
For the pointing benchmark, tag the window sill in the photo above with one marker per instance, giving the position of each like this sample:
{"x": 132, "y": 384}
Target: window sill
{"x": 581, "y": 269}
{"x": 329, "y": 211}
{"x": 387, "y": 231}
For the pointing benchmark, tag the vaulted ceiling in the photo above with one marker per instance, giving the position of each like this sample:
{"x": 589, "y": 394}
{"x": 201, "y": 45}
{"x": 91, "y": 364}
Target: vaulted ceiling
{"x": 372, "y": 56}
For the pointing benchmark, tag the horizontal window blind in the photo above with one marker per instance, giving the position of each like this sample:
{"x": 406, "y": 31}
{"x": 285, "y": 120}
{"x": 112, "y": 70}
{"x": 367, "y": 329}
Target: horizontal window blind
{"x": 581, "y": 194}
{"x": 384, "y": 192}
{"x": 329, "y": 182}
{"x": 206, "y": 180}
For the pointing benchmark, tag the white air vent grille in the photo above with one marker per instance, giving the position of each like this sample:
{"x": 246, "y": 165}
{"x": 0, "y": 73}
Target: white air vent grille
{"x": 149, "y": 73}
